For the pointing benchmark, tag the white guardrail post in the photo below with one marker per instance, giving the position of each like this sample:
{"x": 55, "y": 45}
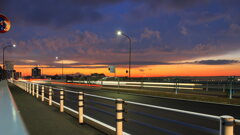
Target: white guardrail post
{"x": 61, "y": 100}
{"x": 42, "y": 93}
{"x": 119, "y": 116}
{"x": 26, "y": 87}
{"x": 80, "y": 107}
{"x": 226, "y": 125}
{"x": 37, "y": 90}
{"x": 33, "y": 89}
{"x": 30, "y": 88}
{"x": 50, "y": 96}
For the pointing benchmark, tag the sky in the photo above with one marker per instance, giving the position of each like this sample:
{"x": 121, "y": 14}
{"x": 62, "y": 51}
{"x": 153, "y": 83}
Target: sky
{"x": 169, "y": 37}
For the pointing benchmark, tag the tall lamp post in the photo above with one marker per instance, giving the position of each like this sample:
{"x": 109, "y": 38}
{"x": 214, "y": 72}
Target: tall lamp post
{"x": 4, "y": 48}
{"x": 57, "y": 58}
{"x": 120, "y": 33}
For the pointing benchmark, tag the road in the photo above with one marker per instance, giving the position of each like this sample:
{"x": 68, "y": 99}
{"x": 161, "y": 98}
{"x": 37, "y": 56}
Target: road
{"x": 163, "y": 122}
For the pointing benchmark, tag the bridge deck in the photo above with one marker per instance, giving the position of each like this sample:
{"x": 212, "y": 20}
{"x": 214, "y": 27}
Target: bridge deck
{"x": 41, "y": 119}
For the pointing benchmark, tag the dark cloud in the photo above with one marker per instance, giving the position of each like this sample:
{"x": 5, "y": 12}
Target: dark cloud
{"x": 172, "y": 4}
{"x": 136, "y": 63}
{"x": 196, "y": 18}
{"x": 56, "y": 13}
{"x": 234, "y": 30}
{"x": 216, "y": 62}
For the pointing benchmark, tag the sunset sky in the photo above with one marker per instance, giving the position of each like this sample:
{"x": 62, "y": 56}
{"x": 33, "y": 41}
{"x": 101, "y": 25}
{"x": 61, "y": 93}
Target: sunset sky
{"x": 169, "y": 37}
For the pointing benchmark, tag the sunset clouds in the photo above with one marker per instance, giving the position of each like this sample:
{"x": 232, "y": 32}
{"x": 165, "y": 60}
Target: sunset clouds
{"x": 163, "y": 32}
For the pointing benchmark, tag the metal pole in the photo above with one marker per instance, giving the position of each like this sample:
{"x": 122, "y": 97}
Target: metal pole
{"x": 80, "y": 107}
{"x": 130, "y": 54}
{"x": 119, "y": 116}
{"x": 223, "y": 88}
{"x": 230, "y": 91}
{"x": 62, "y": 69}
{"x": 207, "y": 87}
{"x": 176, "y": 90}
{"x": 226, "y": 125}
{"x": 3, "y": 74}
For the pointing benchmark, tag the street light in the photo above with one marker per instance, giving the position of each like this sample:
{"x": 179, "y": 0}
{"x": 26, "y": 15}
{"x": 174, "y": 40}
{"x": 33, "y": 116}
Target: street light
{"x": 57, "y": 58}
{"x": 4, "y": 48}
{"x": 120, "y": 33}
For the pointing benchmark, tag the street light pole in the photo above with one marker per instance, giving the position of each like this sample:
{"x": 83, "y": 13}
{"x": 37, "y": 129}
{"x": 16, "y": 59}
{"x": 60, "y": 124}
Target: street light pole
{"x": 62, "y": 69}
{"x": 4, "y": 48}
{"x": 130, "y": 52}
{"x": 57, "y": 58}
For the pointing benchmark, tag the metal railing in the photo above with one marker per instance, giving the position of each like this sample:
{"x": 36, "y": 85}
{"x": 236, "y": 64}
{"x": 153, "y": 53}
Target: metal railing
{"x": 131, "y": 117}
{"x": 221, "y": 89}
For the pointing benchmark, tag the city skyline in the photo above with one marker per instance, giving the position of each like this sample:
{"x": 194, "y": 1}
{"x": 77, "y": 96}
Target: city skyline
{"x": 169, "y": 38}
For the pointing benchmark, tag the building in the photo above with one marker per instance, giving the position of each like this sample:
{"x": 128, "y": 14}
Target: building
{"x": 17, "y": 75}
{"x": 36, "y": 72}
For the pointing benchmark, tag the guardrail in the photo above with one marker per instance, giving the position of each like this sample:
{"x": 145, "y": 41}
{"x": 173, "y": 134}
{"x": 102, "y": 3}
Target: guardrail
{"x": 129, "y": 116}
{"x": 10, "y": 120}
{"x": 177, "y": 86}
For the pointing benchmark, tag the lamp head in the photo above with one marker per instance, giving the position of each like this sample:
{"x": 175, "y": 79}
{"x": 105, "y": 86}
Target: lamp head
{"x": 56, "y": 58}
{"x": 14, "y": 45}
{"x": 119, "y": 33}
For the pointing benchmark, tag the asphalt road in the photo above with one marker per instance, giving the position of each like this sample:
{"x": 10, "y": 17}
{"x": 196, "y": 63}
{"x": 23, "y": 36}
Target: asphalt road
{"x": 143, "y": 120}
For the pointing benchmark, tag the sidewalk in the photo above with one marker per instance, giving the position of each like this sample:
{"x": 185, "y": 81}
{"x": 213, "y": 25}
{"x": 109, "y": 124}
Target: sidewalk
{"x": 41, "y": 119}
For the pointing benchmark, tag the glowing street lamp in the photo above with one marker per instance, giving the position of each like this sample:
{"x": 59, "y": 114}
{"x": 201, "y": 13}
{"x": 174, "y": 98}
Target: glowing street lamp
{"x": 57, "y": 58}
{"x": 120, "y": 33}
{"x": 4, "y": 48}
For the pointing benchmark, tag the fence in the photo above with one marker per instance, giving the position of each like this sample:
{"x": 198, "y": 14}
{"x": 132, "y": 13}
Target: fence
{"x": 220, "y": 89}
{"x": 131, "y": 117}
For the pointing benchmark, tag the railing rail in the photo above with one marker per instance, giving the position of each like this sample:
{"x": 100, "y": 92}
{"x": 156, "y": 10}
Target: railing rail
{"x": 121, "y": 112}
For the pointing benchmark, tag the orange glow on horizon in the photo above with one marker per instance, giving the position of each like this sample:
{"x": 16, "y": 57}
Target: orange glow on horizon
{"x": 146, "y": 71}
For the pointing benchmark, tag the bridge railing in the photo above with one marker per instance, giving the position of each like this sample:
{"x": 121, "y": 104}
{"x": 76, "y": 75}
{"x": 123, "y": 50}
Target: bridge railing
{"x": 221, "y": 89}
{"x": 11, "y": 122}
{"x": 118, "y": 116}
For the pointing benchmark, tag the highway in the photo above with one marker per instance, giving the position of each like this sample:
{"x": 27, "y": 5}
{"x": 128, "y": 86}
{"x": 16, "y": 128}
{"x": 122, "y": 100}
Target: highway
{"x": 166, "y": 122}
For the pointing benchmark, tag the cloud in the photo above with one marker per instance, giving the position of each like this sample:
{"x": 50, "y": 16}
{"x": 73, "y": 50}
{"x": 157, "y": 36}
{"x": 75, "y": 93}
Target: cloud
{"x": 28, "y": 61}
{"x": 66, "y": 62}
{"x": 184, "y": 30}
{"x": 196, "y": 18}
{"x": 136, "y": 63}
{"x": 148, "y": 8}
{"x": 54, "y": 13}
{"x": 171, "y": 4}
{"x": 234, "y": 30}
{"x": 141, "y": 70}
{"x": 216, "y": 62}
{"x": 88, "y": 48}
{"x": 149, "y": 34}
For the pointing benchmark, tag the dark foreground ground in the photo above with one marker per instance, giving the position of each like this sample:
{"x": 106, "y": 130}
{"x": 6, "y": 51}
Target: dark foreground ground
{"x": 41, "y": 119}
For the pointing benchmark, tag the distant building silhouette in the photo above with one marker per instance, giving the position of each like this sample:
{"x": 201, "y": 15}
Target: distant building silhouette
{"x": 97, "y": 75}
{"x": 36, "y": 72}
